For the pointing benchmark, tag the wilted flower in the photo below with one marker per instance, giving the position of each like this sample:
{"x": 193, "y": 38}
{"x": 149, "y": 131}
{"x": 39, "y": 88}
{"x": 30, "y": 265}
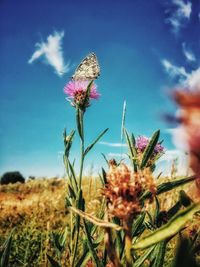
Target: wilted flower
{"x": 143, "y": 141}
{"x": 124, "y": 188}
{"x": 121, "y": 192}
{"x": 76, "y": 91}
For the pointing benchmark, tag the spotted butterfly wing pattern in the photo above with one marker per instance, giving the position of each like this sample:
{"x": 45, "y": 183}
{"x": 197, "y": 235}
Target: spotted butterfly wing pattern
{"x": 88, "y": 69}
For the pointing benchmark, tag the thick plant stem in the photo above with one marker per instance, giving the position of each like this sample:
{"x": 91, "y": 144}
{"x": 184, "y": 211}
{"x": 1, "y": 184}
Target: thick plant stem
{"x": 128, "y": 243}
{"x": 110, "y": 248}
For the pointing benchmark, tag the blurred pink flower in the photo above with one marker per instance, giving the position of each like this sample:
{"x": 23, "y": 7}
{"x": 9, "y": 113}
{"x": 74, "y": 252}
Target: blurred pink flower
{"x": 189, "y": 116}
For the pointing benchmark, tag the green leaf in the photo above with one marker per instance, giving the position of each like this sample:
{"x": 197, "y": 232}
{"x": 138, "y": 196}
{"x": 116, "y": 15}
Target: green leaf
{"x": 96, "y": 140}
{"x": 169, "y": 229}
{"x": 138, "y": 224}
{"x": 53, "y": 262}
{"x": 91, "y": 246}
{"x": 185, "y": 199}
{"x": 165, "y": 187}
{"x": 104, "y": 176}
{"x": 68, "y": 141}
{"x": 160, "y": 254}
{"x": 142, "y": 258}
{"x": 71, "y": 192}
{"x": 4, "y": 259}
{"x": 157, "y": 211}
{"x": 149, "y": 149}
{"x": 73, "y": 175}
{"x": 173, "y": 210}
{"x": 84, "y": 257}
{"x": 132, "y": 149}
{"x": 88, "y": 90}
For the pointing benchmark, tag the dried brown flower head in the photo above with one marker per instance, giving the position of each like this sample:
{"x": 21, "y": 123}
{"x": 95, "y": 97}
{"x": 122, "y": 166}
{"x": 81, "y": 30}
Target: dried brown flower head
{"x": 124, "y": 189}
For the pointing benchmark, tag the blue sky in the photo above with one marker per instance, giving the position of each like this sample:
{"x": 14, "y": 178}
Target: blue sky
{"x": 144, "y": 48}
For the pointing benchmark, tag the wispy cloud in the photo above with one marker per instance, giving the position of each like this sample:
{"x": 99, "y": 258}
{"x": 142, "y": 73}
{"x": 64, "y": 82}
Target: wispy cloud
{"x": 113, "y": 144}
{"x": 180, "y": 15}
{"x": 51, "y": 52}
{"x": 193, "y": 80}
{"x": 190, "y": 80}
{"x": 173, "y": 70}
{"x": 190, "y": 56}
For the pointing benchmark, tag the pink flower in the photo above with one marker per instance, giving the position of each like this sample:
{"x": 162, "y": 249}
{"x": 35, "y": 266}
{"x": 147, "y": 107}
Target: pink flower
{"x": 74, "y": 87}
{"x": 142, "y": 142}
{"x": 76, "y": 90}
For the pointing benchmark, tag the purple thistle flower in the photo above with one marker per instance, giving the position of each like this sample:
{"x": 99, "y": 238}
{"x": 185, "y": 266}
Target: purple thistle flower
{"x": 76, "y": 87}
{"x": 76, "y": 91}
{"x": 143, "y": 141}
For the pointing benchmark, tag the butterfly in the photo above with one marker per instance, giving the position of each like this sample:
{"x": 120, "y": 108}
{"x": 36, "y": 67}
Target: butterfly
{"x": 88, "y": 69}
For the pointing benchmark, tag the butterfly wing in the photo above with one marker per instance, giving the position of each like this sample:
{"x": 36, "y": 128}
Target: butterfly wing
{"x": 88, "y": 69}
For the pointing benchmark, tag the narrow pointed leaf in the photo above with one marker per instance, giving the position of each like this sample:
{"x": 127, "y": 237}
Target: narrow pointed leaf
{"x": 132, "y": 149}
{"x": 173, "y": 210}
{"x": 141, "y": 259}
{"x": 53, "y": 262}
{"x": 150, "y": 148}
{"x": 165, "y": 187}
{"x": 169, "y": 229}
{"x": 138, "y": 224}
{"x": 185, "y": 199}
{"x": 94, "y": 143}
{"x": 88, "y": 90}
{"x": 91, "y": 246}
{"x": 160, "y": 251}
{"x": 4, "y": 260}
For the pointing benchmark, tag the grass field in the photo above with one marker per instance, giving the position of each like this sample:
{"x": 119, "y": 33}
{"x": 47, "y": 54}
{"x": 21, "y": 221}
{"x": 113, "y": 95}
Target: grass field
{"x": 36, "y": 209}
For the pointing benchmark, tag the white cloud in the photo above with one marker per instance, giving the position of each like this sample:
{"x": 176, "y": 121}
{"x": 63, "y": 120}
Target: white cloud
{"x": 113, "y": 144}
{"x": 173, "y": 70}
{"x": 193, "y": 80}
{"x": 184, "y": 9}
{"x": 52, "y": 53}
{"x": 181, "y": 14}
{"x": 189, "y": 80}
{"x": 190, "y": 56}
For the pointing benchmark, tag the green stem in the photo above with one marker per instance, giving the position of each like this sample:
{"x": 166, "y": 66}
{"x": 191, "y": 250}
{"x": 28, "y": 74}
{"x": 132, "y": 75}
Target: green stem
{"x": 80, "y": 127}
{"x": 76, "y": 243}
{"x": 81, "y": 164}
{"x": 128, "y": 243}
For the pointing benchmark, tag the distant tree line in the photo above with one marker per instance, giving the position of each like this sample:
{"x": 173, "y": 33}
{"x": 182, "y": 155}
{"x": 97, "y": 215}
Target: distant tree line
{"x": 12, "y": 177}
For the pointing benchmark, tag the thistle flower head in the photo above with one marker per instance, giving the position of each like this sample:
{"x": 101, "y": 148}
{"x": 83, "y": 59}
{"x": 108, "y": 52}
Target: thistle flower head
{"x": 124, "y": 188}
{"x": 143, "y": 141}
{"x": 76, "y": 91}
